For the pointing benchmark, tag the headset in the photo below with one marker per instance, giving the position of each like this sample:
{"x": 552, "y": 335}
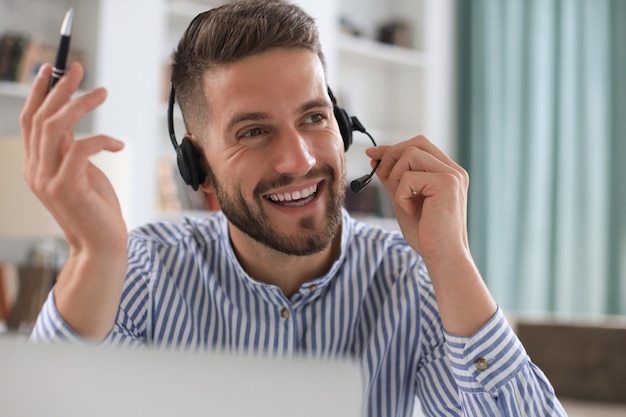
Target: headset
{"x": 189, "y": 159}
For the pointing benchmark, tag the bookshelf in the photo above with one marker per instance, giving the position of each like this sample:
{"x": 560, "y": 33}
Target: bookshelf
{"x": 381, "y": 52}
{"x": 397, "y": 92}
{"x": 115, "y": 55}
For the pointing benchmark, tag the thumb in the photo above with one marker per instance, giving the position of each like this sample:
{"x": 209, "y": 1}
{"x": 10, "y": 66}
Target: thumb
{"x": 376, "y": 152}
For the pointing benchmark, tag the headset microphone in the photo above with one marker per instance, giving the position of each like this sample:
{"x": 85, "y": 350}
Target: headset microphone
{"x": 360, "y": 183}
{"x": 347, "y": 124}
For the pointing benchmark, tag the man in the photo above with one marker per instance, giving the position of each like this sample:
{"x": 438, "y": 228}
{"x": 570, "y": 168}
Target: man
{"x": 282, "y": 269}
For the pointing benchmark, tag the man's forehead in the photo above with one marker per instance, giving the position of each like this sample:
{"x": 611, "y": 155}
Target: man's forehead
{"x": 255, "y": 84}
{"x": 267, "y": 65}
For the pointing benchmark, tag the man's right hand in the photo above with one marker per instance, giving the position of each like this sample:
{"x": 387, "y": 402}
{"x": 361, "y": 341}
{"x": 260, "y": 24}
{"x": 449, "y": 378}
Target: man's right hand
{"x": 79, "y": 196}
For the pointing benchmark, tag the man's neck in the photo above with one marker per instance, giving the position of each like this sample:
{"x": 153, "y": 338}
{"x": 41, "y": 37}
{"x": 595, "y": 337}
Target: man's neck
{"x": 288, "y": 272}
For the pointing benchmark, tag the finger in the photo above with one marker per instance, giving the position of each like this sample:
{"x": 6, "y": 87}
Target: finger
{"x": 416, "y": 187}
{"x": 56, "y": 133}
{"x": 385, "y": 159}
{"x": 69, "y": 189}
{"x": 414, "y": 159}
{"x": 398, "y": 160}
{"x": 33, "y": 102}
{"x": 74, "y": 165}
{"x": 420, "y": 142}
{"x": 65, "y": 88}
{"x": 72, "y": 180}
{"x": 56, "y": 98}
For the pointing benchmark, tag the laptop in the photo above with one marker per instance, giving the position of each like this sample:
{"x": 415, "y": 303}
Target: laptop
{"x": 68, "y": 380}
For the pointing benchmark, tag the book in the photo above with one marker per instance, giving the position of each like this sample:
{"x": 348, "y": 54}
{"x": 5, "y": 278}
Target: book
{"x": 168, "y": 189}
{"x": 21, "y": 56}
{"x": 35, "y": 282}
{"x": 9, "y": 285}
{"x": 4, "y": 305}
{"x": 35, "y": 54}
{"x": 11, "y": 46}
{"x": 175, "y": 195}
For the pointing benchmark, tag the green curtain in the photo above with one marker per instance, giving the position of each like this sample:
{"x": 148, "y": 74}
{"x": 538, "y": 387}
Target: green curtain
{"x": 542, "y": 132}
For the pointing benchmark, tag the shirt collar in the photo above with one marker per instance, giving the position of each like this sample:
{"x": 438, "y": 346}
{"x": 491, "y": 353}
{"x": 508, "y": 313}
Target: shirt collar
{"x": 310, "y": 289}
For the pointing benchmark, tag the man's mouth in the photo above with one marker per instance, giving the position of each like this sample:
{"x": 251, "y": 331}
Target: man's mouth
{"x": 295, "y": 198}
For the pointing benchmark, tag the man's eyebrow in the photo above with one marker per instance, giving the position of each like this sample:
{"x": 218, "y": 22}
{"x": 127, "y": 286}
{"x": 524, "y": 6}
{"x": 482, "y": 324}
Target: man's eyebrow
{"x": 257, "y": 116}
{"x": 246, "y": 116}
{"x": 316, "y": 103}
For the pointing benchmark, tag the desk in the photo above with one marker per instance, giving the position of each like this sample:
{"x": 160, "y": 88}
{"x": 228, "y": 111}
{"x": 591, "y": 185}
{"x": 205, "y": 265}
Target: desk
{"x": 577, "y": 408}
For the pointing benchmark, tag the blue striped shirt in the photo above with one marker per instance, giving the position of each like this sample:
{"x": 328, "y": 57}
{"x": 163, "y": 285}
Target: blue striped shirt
{"x": 185, "y": 289}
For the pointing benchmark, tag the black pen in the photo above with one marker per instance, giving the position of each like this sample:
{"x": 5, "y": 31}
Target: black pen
{"x": 64, "y": 48}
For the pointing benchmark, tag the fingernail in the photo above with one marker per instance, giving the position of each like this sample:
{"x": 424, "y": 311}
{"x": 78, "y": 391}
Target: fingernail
{"x": 41, "y": 70}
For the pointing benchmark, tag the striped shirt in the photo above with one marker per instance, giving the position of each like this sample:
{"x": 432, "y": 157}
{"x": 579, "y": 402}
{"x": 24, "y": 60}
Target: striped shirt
{"x": 185, "y": 289}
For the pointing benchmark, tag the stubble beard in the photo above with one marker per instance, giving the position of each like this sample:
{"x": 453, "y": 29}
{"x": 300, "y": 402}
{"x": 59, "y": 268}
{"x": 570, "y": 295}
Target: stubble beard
{"x": 251, "y": 219}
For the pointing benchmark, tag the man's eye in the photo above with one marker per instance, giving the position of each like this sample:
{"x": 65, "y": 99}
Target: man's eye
{"x": 315, "y": 118}
{"x": 257, "y": 131}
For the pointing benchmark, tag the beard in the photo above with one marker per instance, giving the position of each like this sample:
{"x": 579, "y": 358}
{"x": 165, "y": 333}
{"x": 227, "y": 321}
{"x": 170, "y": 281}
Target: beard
{"x": 252, "y": 219}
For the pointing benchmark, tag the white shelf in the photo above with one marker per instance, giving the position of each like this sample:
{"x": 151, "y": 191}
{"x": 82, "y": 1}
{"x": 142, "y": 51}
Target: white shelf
{"x": 188, "y": 9}
{"x": 14, "y": 90}
{"x": 382, "y": 137}
{"x": 381, "y": 52}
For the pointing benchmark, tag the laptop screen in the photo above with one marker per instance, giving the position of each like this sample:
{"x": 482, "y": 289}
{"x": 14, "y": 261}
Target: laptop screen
{"x": 38, "y": 380}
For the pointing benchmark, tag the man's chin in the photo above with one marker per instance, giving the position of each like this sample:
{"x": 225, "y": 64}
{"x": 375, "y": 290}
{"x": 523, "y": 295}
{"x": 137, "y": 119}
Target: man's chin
{"x": 306, "y": 236}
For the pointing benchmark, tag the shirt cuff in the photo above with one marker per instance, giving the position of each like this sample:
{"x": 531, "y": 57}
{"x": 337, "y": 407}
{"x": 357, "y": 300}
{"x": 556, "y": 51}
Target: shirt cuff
{"x": 50, "y": 326}
{"x": 488, "y": 359}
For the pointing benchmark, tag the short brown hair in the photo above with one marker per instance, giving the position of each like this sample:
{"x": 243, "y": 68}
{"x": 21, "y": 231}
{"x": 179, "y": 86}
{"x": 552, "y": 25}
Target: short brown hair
{"x": 229, "y": 33}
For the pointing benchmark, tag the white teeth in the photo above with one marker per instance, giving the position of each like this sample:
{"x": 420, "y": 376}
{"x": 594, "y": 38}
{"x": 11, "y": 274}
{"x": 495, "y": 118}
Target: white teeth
{"x": 296, "y": 195}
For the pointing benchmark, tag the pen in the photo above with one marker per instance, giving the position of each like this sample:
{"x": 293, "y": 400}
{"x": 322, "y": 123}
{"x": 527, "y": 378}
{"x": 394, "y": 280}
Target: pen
{"x": 64, "y": 48}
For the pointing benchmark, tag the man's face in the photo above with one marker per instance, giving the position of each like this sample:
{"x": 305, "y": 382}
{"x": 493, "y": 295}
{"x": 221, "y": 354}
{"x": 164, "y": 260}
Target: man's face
{"x": 274, "y": 150}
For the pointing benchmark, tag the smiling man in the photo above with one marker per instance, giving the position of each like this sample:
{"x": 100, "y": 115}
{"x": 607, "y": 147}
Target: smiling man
{"x": 282, "y": 269}
{"x": 274, "y": 113}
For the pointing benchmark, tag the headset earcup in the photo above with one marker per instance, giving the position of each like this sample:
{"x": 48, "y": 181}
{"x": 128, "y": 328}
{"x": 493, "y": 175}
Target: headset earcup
{"x": 345, "y": 126}
{"x": 190, "y": 164}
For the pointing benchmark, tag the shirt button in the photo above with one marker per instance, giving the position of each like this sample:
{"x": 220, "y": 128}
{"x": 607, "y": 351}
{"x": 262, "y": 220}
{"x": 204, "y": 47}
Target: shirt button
{"x": 312, "y": 287}
{"x": 284, "y": 313}
{"x": 481, "y": 364}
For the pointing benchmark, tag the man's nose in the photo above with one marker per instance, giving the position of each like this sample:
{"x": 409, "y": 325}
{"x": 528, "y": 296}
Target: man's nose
{"x": 293, "y": 153}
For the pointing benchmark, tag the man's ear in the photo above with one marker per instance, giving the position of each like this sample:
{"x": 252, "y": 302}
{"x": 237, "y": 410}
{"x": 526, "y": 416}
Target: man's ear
{"x": 207, "y": 185}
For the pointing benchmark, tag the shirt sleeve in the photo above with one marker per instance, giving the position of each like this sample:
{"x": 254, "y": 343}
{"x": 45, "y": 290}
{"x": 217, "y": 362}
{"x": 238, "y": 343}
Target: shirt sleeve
{"x": 129, "y": 328}
{"x": 495, "y": 376}
{"x": 50, "y": 326}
